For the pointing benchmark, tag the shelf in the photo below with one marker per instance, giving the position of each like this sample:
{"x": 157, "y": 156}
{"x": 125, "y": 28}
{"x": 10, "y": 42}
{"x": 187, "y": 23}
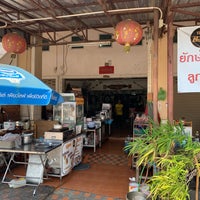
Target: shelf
{"x": 185, "y": 123}
{"x": 92, "y": 138}
{"x": 187, "y": 126}
{"x": 139, "y": 127}
{"x": 144, "y": 172}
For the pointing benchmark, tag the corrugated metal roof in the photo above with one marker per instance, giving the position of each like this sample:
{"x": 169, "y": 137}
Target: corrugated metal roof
{"x": 44, "y": 16}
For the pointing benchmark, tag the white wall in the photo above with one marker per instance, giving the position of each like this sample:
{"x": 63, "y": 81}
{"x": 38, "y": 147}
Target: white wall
{"x": 6, "y": 59}
{"x": 84, "y": 63}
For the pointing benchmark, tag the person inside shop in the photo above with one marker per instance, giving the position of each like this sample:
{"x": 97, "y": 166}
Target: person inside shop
{"x": 119, "y": 113}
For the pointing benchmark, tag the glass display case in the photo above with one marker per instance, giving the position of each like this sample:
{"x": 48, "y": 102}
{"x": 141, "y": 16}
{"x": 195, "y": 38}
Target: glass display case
{"x": 71, "y": 112}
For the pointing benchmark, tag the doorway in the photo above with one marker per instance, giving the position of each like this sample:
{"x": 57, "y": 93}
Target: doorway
{"x": 131, "y": 91}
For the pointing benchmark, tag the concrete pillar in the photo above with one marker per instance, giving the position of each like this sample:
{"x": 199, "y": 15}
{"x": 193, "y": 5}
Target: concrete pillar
{"x": 31, "y": 60}
{"x": 162, "y": 75}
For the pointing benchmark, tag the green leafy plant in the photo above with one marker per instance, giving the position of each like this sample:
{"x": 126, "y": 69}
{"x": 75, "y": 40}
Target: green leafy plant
{"x": 175, "y": 156}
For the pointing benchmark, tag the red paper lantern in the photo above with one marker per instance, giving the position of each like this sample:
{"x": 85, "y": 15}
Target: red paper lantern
{"x": 13, "y": 43}
{"x": 128, "y": 33}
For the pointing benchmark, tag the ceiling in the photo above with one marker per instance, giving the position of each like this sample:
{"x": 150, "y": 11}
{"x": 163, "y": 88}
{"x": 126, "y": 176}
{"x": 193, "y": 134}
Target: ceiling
{"x": 34, "y": 17}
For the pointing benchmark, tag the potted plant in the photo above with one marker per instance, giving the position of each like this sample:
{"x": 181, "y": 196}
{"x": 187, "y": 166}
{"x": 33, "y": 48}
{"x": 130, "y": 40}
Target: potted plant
{"x": 175, "y": 155}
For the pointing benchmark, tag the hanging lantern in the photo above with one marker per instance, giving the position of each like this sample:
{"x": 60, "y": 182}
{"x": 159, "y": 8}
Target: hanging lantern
{"x": 128, "y": 33}
{"x": 13, "y": 43}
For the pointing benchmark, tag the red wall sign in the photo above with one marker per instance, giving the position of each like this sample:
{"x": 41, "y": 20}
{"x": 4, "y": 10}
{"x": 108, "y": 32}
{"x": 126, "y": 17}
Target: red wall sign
{"x": 106, "y": 69}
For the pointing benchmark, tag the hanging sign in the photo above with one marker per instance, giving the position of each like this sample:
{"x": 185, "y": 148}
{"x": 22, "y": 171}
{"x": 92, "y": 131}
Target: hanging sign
{"x": 188, "y": 59}
{"x": 106, "y": 69}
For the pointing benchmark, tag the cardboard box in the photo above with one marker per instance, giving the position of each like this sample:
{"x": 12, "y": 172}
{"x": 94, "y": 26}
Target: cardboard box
{"x": 53, "y": 135}
{"x": 42, "y": 126}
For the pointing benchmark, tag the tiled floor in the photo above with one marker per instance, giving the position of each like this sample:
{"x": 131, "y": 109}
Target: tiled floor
{"x": 106, "y": 179}
{"x": 103, "y": 179}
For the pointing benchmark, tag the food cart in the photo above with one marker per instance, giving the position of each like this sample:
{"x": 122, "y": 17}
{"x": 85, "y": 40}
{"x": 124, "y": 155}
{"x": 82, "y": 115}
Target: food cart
{"x": 19, "y": 87}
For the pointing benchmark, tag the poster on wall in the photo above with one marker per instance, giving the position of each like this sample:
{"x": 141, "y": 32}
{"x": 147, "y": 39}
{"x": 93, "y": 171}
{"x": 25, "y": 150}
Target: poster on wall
{"x": 188, "y": 59}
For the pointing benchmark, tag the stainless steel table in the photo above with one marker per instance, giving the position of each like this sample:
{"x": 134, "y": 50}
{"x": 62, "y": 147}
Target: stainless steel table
{"x": 37, "y": 158}
{"x": 96, "y": 137}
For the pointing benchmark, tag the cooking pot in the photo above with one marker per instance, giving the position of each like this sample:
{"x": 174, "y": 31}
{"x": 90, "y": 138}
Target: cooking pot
{"x": 57, "y": 126}
{"x": 19, "y": 125}
{"x": 135, "y": 196}
{"x": 9, "y": 125}
{"x": 27, "y": 138}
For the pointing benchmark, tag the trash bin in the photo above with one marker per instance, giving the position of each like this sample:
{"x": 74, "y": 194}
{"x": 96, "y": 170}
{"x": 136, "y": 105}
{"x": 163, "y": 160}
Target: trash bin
{"x": 135, "y": 196}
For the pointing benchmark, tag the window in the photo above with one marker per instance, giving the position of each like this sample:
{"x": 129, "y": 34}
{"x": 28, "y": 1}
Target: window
{"x": 105, "y": 37}
{"x": 77, "y": 39}
{"x": 45, "y": 46}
